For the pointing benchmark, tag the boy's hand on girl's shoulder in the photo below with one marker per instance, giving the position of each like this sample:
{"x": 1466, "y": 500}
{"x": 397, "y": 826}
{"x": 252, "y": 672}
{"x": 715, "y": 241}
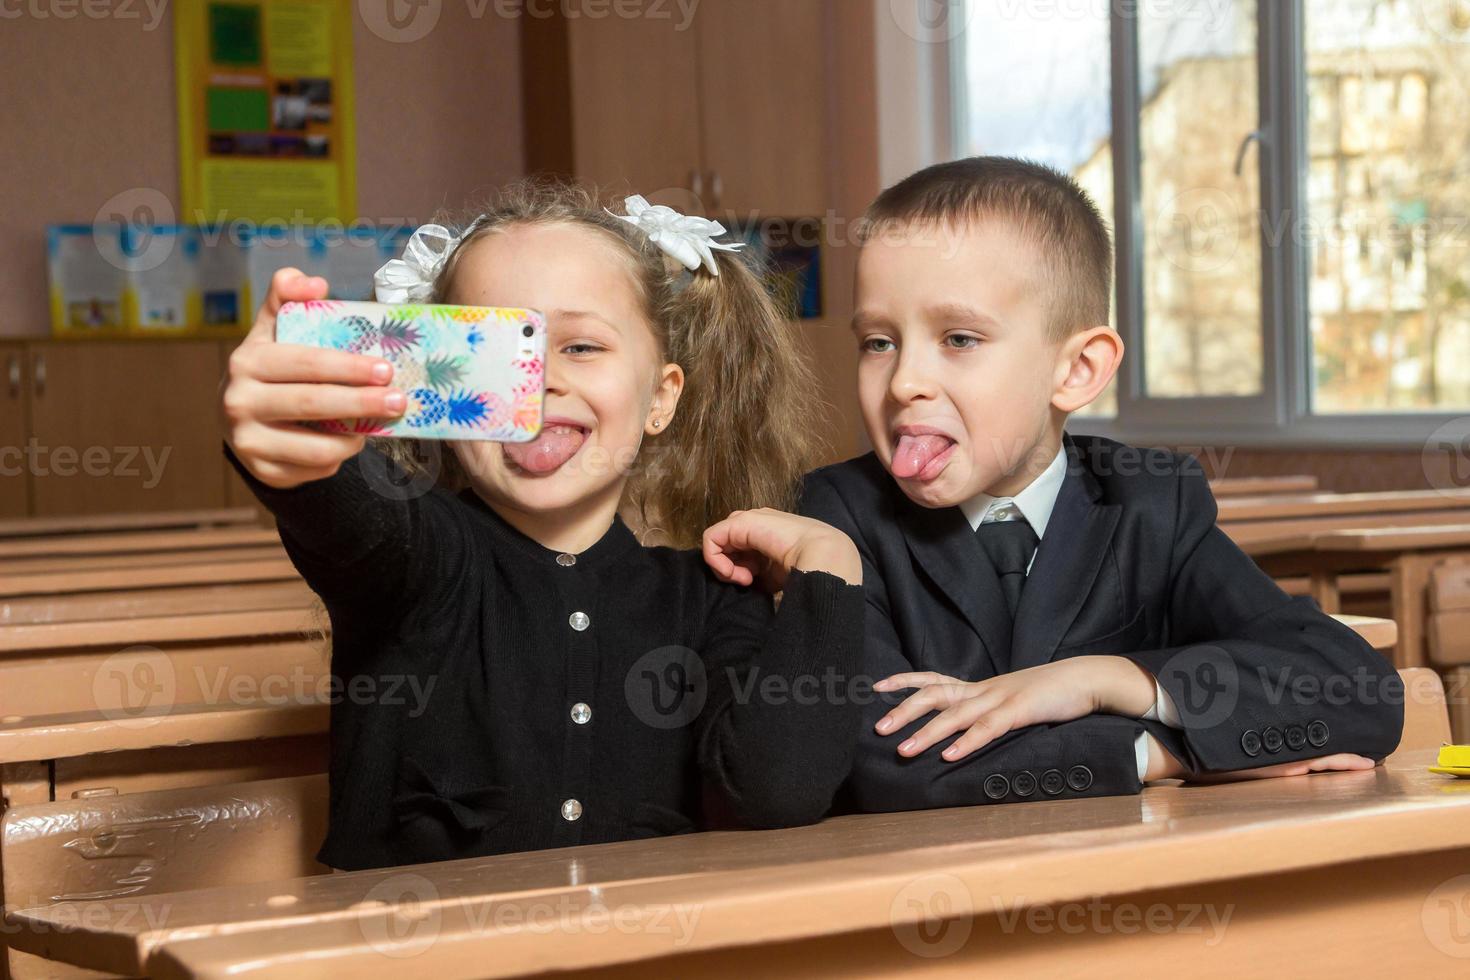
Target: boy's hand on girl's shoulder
{"x": 1063, "y": 690}
{"x": 762, "y": 547}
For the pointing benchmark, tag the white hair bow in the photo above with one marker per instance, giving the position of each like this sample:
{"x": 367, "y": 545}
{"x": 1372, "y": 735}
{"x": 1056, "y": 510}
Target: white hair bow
{"x": 688, "y": 239}
{"x": 411, "y": 278}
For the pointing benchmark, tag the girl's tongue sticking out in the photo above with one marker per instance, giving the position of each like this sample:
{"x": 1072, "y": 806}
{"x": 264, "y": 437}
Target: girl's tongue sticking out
{"x": 556, "y": 444}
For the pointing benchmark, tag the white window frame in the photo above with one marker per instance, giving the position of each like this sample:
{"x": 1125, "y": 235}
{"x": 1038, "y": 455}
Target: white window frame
{"x": 1280, "y": 416}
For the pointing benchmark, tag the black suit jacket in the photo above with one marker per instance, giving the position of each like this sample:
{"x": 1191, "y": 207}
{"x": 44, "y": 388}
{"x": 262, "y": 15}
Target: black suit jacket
{"x": 1131, "y": 564}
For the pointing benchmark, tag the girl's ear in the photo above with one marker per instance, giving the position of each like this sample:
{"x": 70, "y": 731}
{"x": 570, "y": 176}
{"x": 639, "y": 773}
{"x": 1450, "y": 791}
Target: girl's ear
{"x": 1086, "y": 365}
{"x": 665, "y": 399}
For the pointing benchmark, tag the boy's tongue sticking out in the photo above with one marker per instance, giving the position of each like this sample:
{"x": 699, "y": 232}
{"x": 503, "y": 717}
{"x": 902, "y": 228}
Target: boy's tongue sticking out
{"x": 556, "y": 444}
{"x": 915, "y": 453}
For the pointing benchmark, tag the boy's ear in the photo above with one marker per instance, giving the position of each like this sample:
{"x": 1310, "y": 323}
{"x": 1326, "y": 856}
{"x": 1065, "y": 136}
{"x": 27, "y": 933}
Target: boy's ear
{"x": 1086, "y": 364}
{"x": 665, "y": 399}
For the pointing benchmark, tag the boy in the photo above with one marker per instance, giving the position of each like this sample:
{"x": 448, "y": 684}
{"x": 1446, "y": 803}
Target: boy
{"x": 1065, "y": 604}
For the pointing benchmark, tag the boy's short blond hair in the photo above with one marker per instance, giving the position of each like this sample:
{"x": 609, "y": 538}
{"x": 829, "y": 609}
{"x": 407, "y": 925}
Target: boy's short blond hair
{"x": 1044, "y": 206}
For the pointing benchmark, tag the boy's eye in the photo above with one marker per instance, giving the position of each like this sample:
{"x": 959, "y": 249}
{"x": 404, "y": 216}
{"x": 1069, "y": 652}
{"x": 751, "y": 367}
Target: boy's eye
{"x": 877, "y": 345}
{"x": 962, "y": 342}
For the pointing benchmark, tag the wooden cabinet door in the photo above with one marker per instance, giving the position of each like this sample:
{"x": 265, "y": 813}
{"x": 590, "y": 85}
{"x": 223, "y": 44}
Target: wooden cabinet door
{"x": 763, "y": 98}
{"x": 126, "y": 426}
{"x": 15, "y": 493}
{"x": 635, "y": 105}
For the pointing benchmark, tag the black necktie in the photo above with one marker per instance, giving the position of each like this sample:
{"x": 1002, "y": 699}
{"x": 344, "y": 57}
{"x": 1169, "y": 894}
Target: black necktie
{"x": 1009, "y": 545}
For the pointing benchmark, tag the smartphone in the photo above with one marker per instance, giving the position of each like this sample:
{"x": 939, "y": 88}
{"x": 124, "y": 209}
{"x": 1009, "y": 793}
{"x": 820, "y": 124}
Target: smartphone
{"x": 470, "y": 372}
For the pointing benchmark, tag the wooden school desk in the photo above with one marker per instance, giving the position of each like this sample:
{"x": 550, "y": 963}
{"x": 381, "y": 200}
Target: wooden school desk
{"x": 39, "y": 588}
{"x": 1407, "y": 554}
{"x": 1381, "y": 634}
{"x": 25, "y": 527}
{"x": 86, "y": 573}
{"x": 1280, "y": 506}
{"x": 179, "y": 600}
{"x": 133, "y": 543}
{"x": 127, "y": 702}
{"x": 1253, "y": 486}
{"x": 214, "y": 820}
{"x": 1333, "y": 870}
{"x": 146, "y": 559}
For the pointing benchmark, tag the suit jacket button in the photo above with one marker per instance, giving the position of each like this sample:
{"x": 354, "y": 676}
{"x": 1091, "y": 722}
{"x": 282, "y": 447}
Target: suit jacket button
{"x": 1024, "y": 784}
{"x": 1317, "y": 733}
{"x": 1052, "y": 782}
{"x": 1079, "y": 778}
{"x": 1250, "y": 742}
{"x": 1296, "y": 737}
{"x": 1272, "y": 739}
{"x": 997, "y": 786}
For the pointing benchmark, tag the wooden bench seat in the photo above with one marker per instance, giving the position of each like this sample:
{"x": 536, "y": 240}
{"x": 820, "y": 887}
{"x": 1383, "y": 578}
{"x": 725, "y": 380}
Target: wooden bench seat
{"x": 147, "y": 559}
{"x": 271, "y": 567}
{"x": 141, "y": 678}
{"x": 36, "y": 738}
{"x": 277, "y": 592}
{"x": 32, "y": 527}
{"x": 136, "y": 543}
{"x": 117, "y": 633}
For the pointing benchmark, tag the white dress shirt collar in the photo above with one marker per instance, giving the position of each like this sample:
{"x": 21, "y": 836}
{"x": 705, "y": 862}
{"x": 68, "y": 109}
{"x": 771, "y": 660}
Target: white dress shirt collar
{"x": 1035, "y": 502}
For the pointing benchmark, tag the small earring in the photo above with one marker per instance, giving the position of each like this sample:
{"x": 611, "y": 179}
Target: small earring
{"x": 657, "y": 423}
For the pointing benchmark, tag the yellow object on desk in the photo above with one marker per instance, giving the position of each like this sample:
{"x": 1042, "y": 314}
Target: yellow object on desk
{"x": 1454, "y": 760}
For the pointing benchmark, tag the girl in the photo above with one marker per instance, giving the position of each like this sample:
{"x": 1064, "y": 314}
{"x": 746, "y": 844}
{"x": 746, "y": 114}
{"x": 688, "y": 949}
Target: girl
{"x": 581, "y": 687}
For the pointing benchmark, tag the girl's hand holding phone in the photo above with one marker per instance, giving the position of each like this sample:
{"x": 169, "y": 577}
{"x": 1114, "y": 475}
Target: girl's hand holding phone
{"x": 762, "y": 547}
{"x": 270, "y": 387}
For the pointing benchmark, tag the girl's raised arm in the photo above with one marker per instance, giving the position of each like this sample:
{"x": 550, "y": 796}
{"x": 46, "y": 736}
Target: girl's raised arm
{"x": 347, "y": 523}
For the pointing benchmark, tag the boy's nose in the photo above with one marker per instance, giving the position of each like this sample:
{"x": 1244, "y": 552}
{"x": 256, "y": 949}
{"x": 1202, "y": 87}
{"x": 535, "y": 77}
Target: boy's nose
{"x": 909, "y": 382}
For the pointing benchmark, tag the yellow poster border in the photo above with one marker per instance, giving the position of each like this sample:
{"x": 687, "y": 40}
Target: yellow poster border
{"x": 189, "y": 57}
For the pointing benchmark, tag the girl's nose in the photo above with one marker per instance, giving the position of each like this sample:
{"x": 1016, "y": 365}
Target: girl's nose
{"x": 554, "y": 382}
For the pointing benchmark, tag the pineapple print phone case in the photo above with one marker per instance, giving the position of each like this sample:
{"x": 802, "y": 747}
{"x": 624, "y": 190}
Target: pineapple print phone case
{"x": 470, "y": 372}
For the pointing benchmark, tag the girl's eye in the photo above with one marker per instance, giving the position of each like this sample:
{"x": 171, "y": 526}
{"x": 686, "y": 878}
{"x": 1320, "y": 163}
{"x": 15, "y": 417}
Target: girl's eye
{"x": 580, "y": 349}
{"x": 877, "y": 345}
{"x": 962, "y": 342}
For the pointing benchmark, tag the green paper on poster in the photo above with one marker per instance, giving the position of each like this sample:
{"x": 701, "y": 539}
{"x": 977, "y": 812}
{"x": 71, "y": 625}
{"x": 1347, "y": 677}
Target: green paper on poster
{"x": 234, "y": 34}
{"x": 266, "y": 130}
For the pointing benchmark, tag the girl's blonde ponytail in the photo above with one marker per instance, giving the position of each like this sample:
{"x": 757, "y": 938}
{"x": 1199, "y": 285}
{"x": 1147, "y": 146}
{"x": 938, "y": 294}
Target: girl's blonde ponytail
{"x": 746, "y": 426}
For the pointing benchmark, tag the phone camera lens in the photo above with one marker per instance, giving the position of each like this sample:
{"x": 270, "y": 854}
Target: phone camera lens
{"x": 528, "y": 330}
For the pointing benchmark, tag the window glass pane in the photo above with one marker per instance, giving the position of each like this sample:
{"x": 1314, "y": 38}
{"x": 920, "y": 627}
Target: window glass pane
{"x": 1037, "y": 86}
{"x": 1388, "y": 141}
{"x": 1201, "y": 225}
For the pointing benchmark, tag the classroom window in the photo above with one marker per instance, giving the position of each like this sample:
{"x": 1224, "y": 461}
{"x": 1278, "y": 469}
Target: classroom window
{"x": 1288, "y": 185}
{"x": 1040, "y": 89}
{"x": 1388, "y": 302}
{"x": 1201, "y": 229}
